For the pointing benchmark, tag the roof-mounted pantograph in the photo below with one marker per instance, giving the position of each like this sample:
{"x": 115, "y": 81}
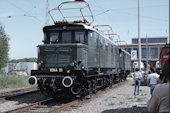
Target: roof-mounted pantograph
{"x": 77, "y": 11}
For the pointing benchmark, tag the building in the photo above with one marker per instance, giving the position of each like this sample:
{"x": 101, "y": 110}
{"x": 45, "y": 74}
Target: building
{"x": 150, "y": 49}
{"x": 21, "y": 68}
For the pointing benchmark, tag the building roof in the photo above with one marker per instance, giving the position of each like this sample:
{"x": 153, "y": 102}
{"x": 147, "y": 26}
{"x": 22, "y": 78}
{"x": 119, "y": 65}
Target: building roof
{"x": 144, "y": 44}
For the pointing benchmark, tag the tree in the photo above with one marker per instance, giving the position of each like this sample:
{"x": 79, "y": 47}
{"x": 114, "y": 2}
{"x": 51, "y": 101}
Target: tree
{"x": 23, "y": 60}
{"x": 4, "y": 47}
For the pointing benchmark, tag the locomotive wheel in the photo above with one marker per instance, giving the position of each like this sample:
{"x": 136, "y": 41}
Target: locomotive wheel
{"x": 94, "y": 88}
{"x": 75, "y": 90}
{"x": 90, "y": 87}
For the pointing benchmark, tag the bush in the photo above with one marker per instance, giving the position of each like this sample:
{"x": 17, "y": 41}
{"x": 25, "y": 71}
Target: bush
{"x": 13, "y": 81}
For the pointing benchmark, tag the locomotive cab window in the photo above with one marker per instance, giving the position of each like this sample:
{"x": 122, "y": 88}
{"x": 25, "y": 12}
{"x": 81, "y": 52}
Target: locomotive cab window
{"x": 66, "y": 37}
{"x": 54, "y": 37}
{"x": 79, "y": 37}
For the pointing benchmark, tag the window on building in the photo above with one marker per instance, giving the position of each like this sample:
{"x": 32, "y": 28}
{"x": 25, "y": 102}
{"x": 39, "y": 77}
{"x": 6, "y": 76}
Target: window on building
{"x": 154, "y": 52}
{"x": 160, "y": 49}
{"x": 143, "y": 40}
{"x": 143, "y": 52}
{"x": 157, "y": 40}
{"x": 134, "y": 41}
{"x": 128, "y": 50}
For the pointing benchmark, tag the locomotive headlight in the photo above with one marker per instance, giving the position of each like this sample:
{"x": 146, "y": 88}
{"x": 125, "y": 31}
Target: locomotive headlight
{"x": 68, "y": 71}
{"x": 82, "y": 67}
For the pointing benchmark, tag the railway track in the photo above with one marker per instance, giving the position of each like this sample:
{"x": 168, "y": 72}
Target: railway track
{"x": 15, "y": 93}
{"x": 56, "y": 105}
{"x": 46, "y": 106}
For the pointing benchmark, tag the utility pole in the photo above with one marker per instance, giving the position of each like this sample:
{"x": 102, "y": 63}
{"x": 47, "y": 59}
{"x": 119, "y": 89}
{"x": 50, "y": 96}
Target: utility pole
{"x": 147, "y": 54}
{"x": 139, "y": 39}
{"x": 46, "y": 13}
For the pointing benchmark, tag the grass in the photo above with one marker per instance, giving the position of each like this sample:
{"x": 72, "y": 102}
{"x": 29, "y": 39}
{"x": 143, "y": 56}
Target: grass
{"x": 121, "y": 102}
{"x": 113, "y": 97}
{"x": 13, "y": 81}
{"x": 129, "y": 98}
{"x": 139, "y": 100}
{"x": 111, "y": 104}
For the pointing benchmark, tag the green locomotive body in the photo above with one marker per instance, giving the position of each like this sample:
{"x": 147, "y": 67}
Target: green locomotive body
{"x": 77, "y": 59}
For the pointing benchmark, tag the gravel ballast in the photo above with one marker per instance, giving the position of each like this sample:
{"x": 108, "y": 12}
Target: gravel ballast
{"x": 115, "y": 100}
{"x": 21, "y": 101}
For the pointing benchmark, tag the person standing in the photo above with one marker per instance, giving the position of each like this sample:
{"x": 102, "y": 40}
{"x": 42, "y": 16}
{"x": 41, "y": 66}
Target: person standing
{"x": 160, "y": 99}
{"x": 137, "y": 78}
{"x": 152, "y": 80}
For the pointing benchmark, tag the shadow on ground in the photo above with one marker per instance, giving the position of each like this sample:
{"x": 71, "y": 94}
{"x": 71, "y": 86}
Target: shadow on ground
{"x": 127, "y": 110}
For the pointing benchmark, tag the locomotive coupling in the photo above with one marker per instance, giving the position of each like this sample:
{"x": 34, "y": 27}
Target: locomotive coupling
{"x": 67, "y": 81}
{"x": 32, "y": 80}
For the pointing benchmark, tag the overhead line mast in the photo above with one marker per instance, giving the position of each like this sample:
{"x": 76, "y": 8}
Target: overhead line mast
{"x": 139, "y": 39}
{"x": 46, "y": 13}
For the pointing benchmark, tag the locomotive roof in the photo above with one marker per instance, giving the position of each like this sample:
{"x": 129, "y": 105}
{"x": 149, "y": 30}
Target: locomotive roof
{"x": 80, "y": 24}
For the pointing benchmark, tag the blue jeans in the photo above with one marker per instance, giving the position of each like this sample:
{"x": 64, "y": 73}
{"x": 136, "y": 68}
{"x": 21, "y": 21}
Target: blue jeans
{"x": 137, "y": 83}
{"x": 152, "y": 87}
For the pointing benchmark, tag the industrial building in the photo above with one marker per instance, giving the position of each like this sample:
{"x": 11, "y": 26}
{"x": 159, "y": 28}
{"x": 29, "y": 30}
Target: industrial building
{"x": 150, "y": 49}
{"x": 20, "y": 68}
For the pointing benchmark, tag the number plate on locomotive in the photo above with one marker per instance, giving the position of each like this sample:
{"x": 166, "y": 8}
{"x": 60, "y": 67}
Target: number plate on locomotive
{"x": 56, "y": 69}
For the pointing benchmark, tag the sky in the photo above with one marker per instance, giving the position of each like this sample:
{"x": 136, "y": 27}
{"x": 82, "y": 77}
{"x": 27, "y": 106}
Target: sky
{"x": 24, "y": 19}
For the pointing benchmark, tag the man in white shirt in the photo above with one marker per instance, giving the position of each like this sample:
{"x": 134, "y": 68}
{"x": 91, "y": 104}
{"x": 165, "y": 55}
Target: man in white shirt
{"x": 152, "y": 79}
{"x": 137, "y": 79}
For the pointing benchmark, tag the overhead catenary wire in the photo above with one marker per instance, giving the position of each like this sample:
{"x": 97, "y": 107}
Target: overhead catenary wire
{"x": 132, "y": 14}
{"x": 120, "y": 10}
{"x": 26, "y": 13}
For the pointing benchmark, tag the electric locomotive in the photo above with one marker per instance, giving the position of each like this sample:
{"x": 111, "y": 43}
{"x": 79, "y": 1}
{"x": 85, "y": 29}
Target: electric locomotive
{"x": 77, "y": 59}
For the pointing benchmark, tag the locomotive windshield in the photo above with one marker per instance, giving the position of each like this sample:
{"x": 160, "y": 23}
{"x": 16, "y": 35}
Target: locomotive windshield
{"x": 54, "y": 37}
{"x": 79, "y": 37}
{"x": 65, "y": 37}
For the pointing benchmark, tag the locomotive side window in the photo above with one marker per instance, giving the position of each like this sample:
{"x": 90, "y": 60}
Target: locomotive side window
{"x": 66, "y": 37}
{"x": 54, "y": 37}
{"x": 104, "y": 45}
{"x": 112, "y": 49}
{"x": 79, "y": 37}
{"x": 45, "y": 37}
{"x": 100, "y": 42}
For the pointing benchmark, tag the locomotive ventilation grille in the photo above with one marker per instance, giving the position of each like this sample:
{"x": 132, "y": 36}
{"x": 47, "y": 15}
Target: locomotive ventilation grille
{"x": 58, "y": 57}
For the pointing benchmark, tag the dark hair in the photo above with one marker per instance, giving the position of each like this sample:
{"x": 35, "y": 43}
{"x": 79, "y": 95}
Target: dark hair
{"x": 166, "y": 69}
{"x": 136, "y": 69}
{"x": 152, "y": 70}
